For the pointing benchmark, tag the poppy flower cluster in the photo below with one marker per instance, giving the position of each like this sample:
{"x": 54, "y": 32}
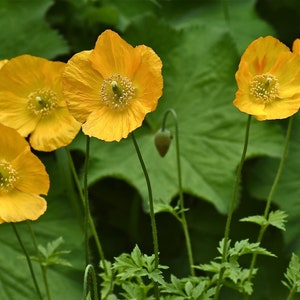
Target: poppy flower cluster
{"x": 106, "y": 91}
{"x": 268, "y": 79}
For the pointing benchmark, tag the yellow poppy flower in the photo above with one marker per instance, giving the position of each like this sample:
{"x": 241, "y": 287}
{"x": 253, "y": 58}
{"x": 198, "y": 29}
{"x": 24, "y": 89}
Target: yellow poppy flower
{"x": 22, "y": 179}
{"x": 31, "y": 101}
{"x": 111, "y": 88}
{"x": 268, "y": 80}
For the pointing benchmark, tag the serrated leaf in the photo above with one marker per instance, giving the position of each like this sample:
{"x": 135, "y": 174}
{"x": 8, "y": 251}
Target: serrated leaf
{"x": 278, "y": 219}
{"x": 293, "y": 274}
{"x": 260, "y": 220}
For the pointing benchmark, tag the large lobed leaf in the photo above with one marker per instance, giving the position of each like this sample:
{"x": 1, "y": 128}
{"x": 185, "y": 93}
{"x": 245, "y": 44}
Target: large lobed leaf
{"x": 199, "y": 84}
{"x": 24, "y": 30}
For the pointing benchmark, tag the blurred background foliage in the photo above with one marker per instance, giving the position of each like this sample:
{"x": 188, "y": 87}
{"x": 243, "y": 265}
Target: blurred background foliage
{"x": 200, "y": 43}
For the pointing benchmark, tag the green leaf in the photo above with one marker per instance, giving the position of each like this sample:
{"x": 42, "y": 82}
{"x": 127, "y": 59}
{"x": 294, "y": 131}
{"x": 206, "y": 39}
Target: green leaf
{"x": 201, "y": 92}
{"x": 292, "y": 274}
{"x": 260, "y": 220}
{"x": 50, "y": 255}
{"x": 278, "y": 219}
{"x": 26, "y": 30}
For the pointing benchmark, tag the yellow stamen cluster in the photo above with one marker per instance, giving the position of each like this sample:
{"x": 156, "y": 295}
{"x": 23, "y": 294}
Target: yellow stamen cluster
{"x": 8, "y": 176}
{"x": 116, "y": 92}
{"x": 42, "y": 101}
{"x": 264, "y": 88}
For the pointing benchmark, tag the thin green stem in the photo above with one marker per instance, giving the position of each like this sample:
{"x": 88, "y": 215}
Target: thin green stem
{"x": 181, "y": 199}
{"x": 151, "y": 210}
{"x": 86, "y": 199}
{"x": 91, "y": 220}
{"x": 231, "y": 208}
{"x": 292, "y": 293}
{"x": 38, "y": 291}
{"x": 90, "y": 281}
{"x": 272, "y": 192}
{"x": 43, "y": 269}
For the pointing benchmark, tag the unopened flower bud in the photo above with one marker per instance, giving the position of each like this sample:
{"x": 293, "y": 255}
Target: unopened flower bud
{"x": 163, "y": 138}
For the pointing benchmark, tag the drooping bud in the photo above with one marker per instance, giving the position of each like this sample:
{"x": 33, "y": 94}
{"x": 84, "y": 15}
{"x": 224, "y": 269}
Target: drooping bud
{"x": 162, "y": 139}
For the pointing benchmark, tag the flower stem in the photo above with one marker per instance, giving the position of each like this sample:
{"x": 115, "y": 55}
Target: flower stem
{"x": 86, "y": 200}
{"x": 151, "y": 209}
{"x": 28, "y": 261}
{"x": 272, "y": 192}
{"x": 181, "y": 200}
{"x": 90, "y": 280}
{"x": 91, "y": 220}
{"x": 43, "y": 269}
{"x": 292, "y": 293}
{"x": 231, "y": 208}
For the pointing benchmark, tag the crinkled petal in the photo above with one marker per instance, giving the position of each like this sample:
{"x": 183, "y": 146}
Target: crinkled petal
{"x": 81, "y": 86}
{"x": 54, "y": 131}
{"x": 262, "y": 53}
{"x": 287, "y": 72}
{"x": 109, "y": 125}
{"x": 12, "y": 143}
{"x": 31, "y": 173}
{"x": 280, "y": 109}
{"x": 245, "y": 104}
{"x": 148, "y": 78}
{"x": 113, "y": 55}
{"x": 17, "y": 206}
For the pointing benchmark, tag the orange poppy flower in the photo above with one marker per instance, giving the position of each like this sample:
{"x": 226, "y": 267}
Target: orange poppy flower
{"x": 268, "y": 80}
{"x": 31, "y": 101}
{"x": 22, "y": 179}
{"x": 111, "y": 88}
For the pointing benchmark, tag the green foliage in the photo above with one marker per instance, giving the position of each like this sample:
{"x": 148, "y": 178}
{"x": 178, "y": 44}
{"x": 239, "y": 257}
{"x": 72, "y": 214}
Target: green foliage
{"x": 235, "y": 275}
{"x": 292, "y": 276}
{"x": 276, "y": 218}
{"x": 50, "y": 255}
{"x": 200, "y": 51}
{"x": 135, "y": 273}
{"x": 26, "y": 31}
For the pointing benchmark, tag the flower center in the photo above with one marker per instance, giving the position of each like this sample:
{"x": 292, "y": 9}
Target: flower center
{"x": 42, "y": 101}
{"x": 8, "y": 176}
{"x": 117, "y": 91}
{"x": 264, "y": 88}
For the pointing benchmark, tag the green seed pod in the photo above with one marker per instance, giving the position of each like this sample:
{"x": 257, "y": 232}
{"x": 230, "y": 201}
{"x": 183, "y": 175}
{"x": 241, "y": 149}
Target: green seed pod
{"x": 162, "y": 141}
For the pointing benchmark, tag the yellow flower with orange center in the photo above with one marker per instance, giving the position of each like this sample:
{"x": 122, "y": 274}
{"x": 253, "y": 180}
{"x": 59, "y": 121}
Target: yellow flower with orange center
{"x": 23, "y": 179}
{"x": 31, "y": 101}
{"x": 111, "y": 88}
{"x": 268, "y": 80}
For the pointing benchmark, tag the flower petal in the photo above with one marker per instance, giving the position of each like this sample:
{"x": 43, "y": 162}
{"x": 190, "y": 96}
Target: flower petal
{"x": 18, "y": 206}
{"x": 32, "y": 175}
{"x": 54, "y": 131}
{"x": 109, "y": 125}
{"x": 113, "y": 55}
{"x": 12, "y": 143}
{"x": 262, "y": 53}
{"x": 81, "y": 86}
{"x": 148, "y": 78}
